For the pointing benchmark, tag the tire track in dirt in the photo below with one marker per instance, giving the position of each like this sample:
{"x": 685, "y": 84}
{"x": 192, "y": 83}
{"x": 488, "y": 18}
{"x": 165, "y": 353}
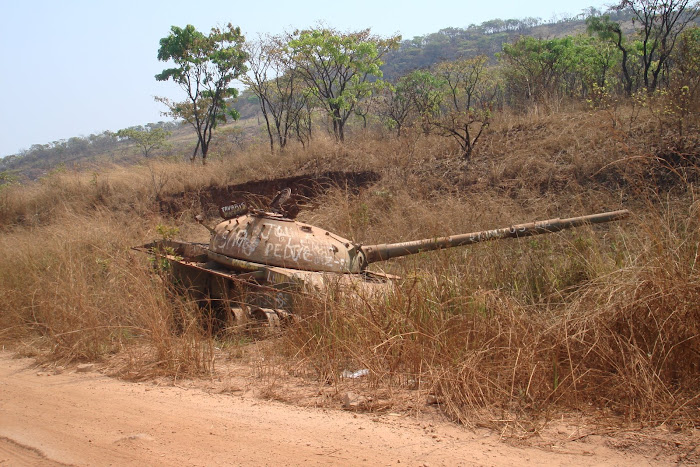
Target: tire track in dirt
{"x": 14, "y": 453}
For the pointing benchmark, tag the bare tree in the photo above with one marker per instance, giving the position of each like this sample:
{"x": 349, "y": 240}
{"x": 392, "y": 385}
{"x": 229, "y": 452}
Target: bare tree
{"x": 469, "y": 97}
{"x": 279, "y": 88}
{"x": 660, "y": 23}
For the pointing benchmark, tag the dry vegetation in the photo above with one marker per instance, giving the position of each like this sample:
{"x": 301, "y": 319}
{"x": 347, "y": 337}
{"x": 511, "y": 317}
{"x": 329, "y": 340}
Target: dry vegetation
{"x": 602, "y": 320}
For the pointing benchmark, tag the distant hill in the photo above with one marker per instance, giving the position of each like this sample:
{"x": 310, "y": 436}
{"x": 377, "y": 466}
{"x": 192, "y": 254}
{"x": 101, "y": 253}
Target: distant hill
{"x": 484, "y": 39}
{"x": 76, "y": 152}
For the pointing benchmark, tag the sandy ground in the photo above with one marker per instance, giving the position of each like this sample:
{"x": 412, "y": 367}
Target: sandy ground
{"x": 87, "y": 418}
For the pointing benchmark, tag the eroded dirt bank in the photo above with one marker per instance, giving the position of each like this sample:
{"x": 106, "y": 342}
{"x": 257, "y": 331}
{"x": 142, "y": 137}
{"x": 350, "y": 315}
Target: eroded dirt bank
{"x": 73, "y": 418}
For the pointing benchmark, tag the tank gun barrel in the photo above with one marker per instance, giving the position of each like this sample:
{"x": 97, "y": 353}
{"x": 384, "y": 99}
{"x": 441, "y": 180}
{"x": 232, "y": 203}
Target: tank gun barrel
{"x": 382, "y": 252}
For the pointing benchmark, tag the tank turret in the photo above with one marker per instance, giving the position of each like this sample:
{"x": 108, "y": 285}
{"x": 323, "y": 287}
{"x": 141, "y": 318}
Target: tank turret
{"x": 271, "y": 239}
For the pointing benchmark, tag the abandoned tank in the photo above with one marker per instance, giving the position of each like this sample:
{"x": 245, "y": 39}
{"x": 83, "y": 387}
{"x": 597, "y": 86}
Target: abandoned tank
{"x": 257, "y": 259}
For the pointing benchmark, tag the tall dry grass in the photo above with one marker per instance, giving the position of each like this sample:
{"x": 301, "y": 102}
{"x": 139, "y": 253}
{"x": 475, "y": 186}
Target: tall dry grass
{"x": 73, "y": 291}
{"x": 509, "y": 332}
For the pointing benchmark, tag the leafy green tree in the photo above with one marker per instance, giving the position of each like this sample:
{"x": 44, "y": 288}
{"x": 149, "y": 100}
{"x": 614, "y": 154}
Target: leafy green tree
{"x": 7, "y": 177}
{"x": 611, "y": 31}
{"x": 686, "y": 61}
{"x": 594, "y": 62}
{"x": 680, "y": 99}
{"x": 469, "y": 98}
{"x": 536, "y": 69}
{"x": 493, "y": 26}
{"x": 205, "y": 67}
{"x": 425, "y": 91}
{"x": 148, "y": 139}
{"x": 339, "y": 69}
{"x": 539, "y": 70}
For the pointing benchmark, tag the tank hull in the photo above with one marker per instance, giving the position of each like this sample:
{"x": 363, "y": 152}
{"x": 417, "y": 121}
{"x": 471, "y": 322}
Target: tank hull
{"x": 243, "y": 289}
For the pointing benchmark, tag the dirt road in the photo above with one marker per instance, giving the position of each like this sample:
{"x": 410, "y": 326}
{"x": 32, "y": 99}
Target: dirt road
{"x": 76, "y": 418}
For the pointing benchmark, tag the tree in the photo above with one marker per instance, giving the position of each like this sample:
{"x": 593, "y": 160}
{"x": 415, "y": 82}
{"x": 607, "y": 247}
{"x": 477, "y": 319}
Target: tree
{"x": 338, "y": 68}
{"x": 594, "y": 60}
{"x": 535, "y": 69}
{"x": 687, "y": 61}
{"x": 396, "y": 105}
{"x": 493, "y": 26}
{"x": 426, "y": 93}
{"x": 660, "y": 23}
{"x": 7, "y": 177}
{"x": 205, "y": 66}
{"x": 148, "y": 139}
{"x": 611, "y": 31}
{"x": 680, "y": 99}
{"x": 469, "y": 97}
{"x": 279, "y": 88}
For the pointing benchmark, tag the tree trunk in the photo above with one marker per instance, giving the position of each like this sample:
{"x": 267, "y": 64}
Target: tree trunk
{"x": 205, "y": 150}
{"x": 194, "y": 154}
{"x": 267, "y": 126}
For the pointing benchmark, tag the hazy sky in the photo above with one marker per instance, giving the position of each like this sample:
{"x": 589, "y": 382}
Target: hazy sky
{"x": 73, "y": 68}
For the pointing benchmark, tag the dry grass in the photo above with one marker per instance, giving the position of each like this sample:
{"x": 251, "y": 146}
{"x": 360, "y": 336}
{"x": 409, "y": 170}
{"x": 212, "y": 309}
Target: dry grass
{"x": 508, "y": 333}
{"x": 72, "y": 290}
{"x": 502, "y": 333}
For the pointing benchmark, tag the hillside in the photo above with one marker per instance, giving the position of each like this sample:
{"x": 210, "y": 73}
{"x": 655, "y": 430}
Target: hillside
{"x": 486, "y": 39}
{"x": 532, "y": 327}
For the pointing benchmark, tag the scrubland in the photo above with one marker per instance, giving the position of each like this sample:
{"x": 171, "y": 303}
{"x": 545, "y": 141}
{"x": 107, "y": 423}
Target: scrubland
{"x": 604, "y": 321}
